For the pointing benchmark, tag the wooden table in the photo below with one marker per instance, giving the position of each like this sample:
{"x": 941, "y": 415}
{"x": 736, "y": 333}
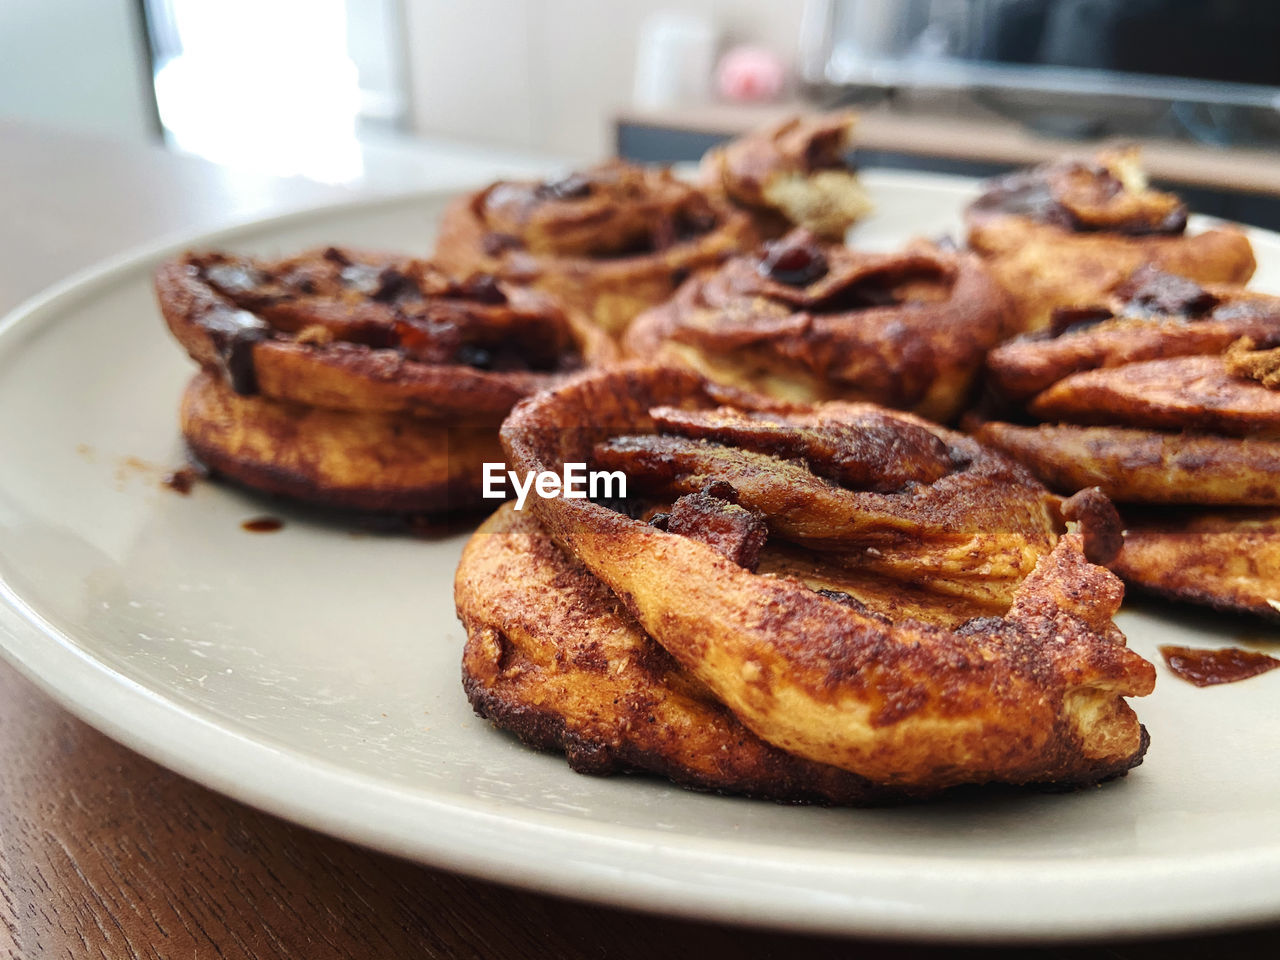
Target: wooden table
{"x": 105, "y": 854}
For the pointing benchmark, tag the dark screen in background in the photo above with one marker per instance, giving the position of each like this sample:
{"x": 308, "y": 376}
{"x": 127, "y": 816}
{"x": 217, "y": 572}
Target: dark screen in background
{"x": 1227, "y": 40}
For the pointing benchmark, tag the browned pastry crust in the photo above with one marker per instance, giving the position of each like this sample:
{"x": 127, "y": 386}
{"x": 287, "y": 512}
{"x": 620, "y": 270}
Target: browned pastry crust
{"x": 1141, "y": 399}
{"x": 1064, "y": 234}
{"x": 1162, "y": 398}
{"x": 840, "y": 495}
{"x": 1144, "y": 466}
{"x": 609, "y": 242}
{"x": 552, "y": 656}
{"x": 1191, "y": 393}
{"x": 1225, "y": 559}
{"x": 365, "y": 461}
{"x": 358, "y": 380}
{"x": 804, "y": 321}
{"x": 795, "y": 172}
{"x": 1150, "y": 316}
{"x": 1013, "y": 673}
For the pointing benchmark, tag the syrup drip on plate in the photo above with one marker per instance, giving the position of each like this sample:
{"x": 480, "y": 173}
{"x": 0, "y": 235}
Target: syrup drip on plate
{"x": 1206, "y": 668}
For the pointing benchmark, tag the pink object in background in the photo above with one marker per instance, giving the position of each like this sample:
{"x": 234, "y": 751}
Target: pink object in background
{"x": 750, "y": 73}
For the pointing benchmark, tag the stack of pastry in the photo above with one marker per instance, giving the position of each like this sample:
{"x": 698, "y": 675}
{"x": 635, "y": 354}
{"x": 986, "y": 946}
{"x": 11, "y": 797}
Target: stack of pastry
{"x": 358, "y": 380}
{"x": 1166, "y": 399}
{"x": 832, "y": 602}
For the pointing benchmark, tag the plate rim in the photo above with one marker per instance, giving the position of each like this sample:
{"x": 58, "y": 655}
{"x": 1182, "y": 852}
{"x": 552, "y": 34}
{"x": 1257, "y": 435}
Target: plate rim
{"x": 880, "y": 895}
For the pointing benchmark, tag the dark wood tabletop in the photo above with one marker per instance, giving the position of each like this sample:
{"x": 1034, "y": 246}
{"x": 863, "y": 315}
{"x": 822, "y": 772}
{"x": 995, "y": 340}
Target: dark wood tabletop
{"x": 105, "y": 854}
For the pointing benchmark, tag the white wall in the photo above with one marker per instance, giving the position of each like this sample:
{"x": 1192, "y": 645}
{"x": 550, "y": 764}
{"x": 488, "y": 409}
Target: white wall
{"x": 548, "y": 74}
{"x": 78, "y": 64}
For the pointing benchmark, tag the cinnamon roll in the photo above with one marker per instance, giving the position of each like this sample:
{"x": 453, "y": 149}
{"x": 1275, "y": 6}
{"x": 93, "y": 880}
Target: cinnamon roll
{"x": 806, "y": 321}
{"x": 609, "y": 241}
{"x": 1167, "y": 396}
{"x": 364, "y": 381}
{"x": 832, "y": 602}
{"x": 794, "y": 173}
{"x": 1063, "y": 234}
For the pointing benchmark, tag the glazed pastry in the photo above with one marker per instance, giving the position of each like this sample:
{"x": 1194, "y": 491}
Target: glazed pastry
{"x": 832, "y": 602}
{"x": 1166, "y": 397}
{"x": 1064, "y": 234}
{"x": 806, "y": 321}
{"x": 609, "y": 242}
{"x": 356, "y": 380}
{"x": 794, "y": 173}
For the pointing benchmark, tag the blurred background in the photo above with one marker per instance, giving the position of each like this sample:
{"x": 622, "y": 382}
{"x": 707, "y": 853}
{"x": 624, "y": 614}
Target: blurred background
{"x": 330, "y": 89}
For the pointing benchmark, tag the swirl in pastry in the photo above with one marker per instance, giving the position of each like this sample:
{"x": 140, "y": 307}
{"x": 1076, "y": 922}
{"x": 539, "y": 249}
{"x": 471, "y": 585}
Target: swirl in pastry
{"x": 610, "y": 241}
{"x": 806, "y": 321}
{"x": 358, "y": 380}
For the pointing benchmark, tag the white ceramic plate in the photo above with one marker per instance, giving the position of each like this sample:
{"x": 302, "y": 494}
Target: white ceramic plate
{"x": 315, "y": 673}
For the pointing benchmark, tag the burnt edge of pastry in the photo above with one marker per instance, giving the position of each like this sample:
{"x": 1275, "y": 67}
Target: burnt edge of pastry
{"x": 548, "y": 732}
